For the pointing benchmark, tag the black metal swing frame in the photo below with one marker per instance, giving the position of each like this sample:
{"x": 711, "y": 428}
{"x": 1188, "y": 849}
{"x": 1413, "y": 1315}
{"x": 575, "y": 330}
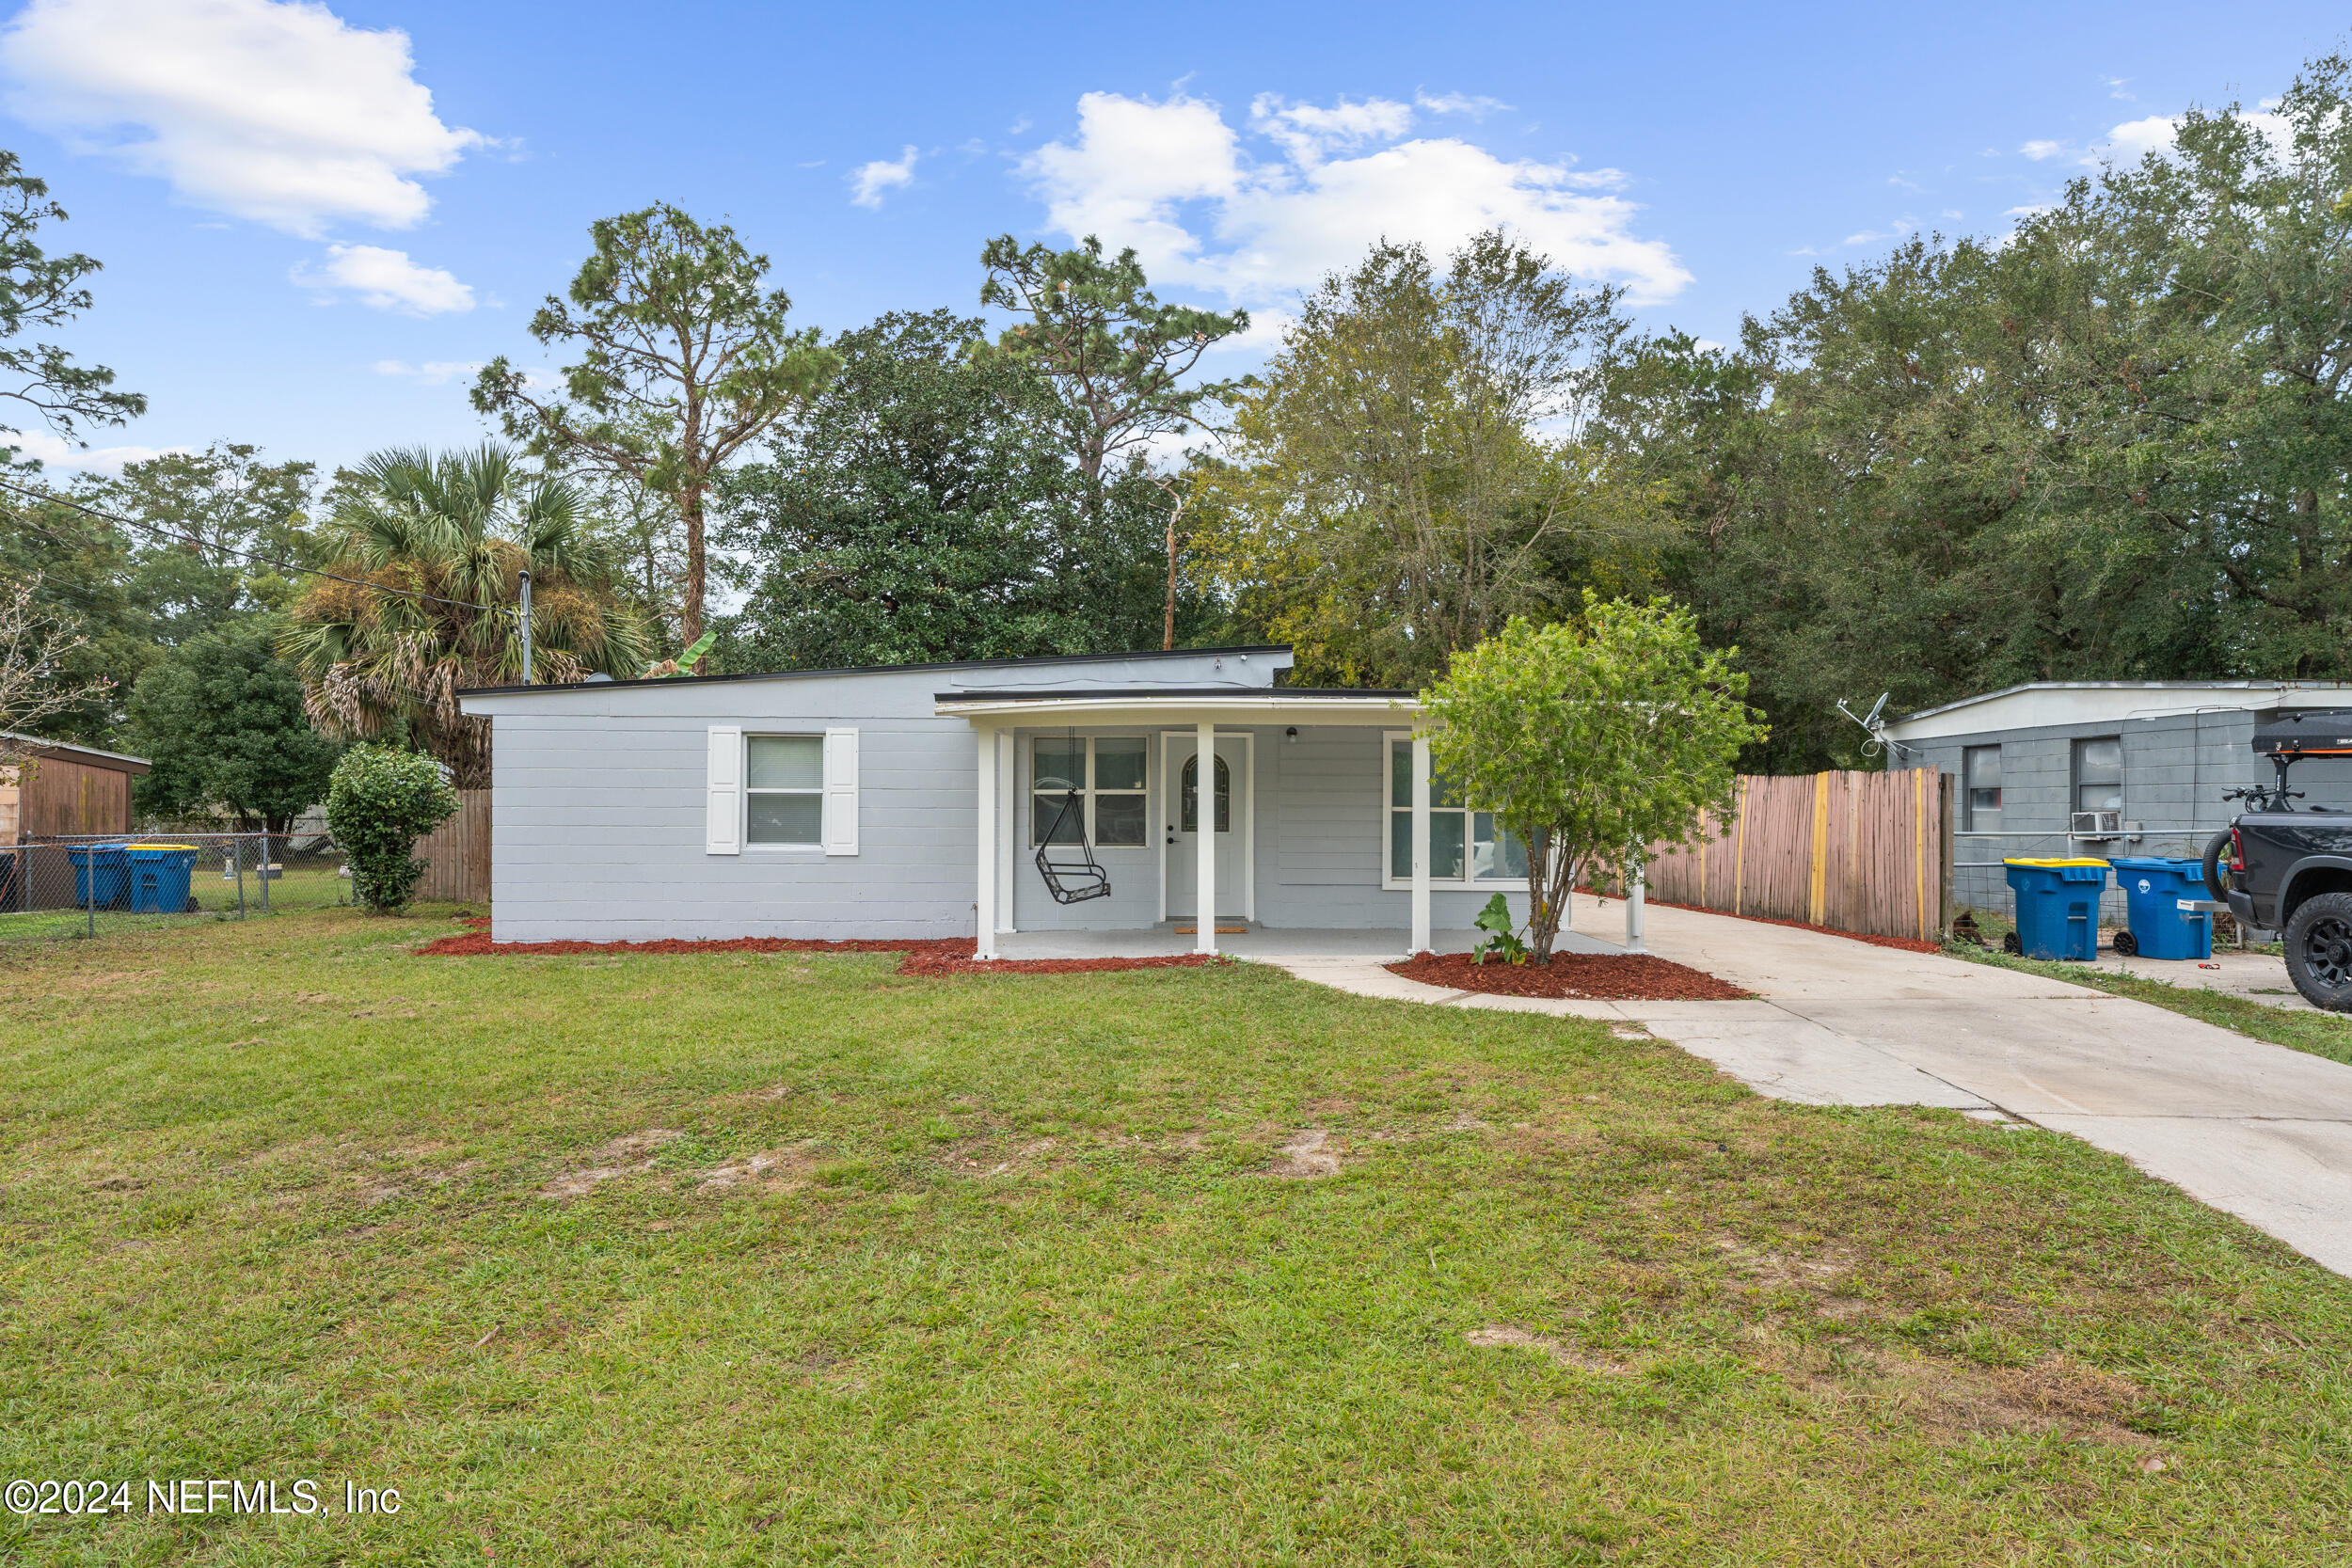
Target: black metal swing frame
{"x": 1072, "y": 881}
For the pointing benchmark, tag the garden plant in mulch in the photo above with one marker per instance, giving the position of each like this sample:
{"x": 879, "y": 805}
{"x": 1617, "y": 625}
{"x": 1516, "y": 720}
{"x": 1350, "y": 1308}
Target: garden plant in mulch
{"x": 1575, "y": 976}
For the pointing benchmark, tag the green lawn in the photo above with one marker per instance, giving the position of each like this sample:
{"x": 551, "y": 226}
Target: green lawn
{"x": 1015, "y": 1269}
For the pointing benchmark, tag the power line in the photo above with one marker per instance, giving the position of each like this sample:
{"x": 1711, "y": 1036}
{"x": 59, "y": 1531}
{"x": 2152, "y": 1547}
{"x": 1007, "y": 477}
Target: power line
{"x": 203, "y": 543}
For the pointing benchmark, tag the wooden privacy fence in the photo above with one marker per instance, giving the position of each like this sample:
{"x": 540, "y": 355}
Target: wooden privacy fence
{"x": 458, "y": 852}
{"x": 1865, "y": 852}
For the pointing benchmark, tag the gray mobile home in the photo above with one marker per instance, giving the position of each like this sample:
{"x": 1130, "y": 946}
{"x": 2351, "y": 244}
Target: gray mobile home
{"x": 912, "y": 800}
{"x": 2102, "y": 768}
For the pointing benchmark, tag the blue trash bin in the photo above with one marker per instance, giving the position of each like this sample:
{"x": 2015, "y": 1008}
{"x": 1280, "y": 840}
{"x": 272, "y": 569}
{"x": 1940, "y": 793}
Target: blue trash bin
{"x": 2058, "y": 906}
{"x": 2153, "y": 887}
{"x": 157, "y": 874}
{"x": 98, "y": 870}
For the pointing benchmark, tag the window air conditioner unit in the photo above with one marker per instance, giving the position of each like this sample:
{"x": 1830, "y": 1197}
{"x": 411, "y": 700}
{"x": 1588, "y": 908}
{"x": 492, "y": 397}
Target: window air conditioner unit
{"x": 2098, "y": 824}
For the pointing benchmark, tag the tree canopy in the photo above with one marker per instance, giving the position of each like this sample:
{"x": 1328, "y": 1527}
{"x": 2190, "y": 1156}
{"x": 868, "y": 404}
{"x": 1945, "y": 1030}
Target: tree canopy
{"x": 685, "y": 361}
{"x": 38, "y": 291}
{"x": 924, "y": 507}
{"x": 1407, "y": 474}
{"x": 2115, "y": 445}
{"x": 426, "y": 597}
{"x": 221, "y": 719}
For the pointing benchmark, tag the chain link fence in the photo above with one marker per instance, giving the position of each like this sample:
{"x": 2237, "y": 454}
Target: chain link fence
{"x": 84, "y": 885}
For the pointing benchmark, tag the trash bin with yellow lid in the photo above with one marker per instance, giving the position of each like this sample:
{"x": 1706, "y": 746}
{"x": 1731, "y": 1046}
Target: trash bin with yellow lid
{"x": 158, "y": 875}
{"x": 2058, "y": 906}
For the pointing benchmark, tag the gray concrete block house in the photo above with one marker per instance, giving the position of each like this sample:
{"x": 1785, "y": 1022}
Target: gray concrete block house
{"x": 2144, "y": 764}
{"x": 911, "y": 802}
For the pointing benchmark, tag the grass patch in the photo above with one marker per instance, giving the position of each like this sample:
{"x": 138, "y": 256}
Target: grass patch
{"x": 857, "y": 1266}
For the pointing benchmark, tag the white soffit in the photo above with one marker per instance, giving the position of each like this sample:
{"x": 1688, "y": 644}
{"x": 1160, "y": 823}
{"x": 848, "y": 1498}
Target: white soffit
{"x": 1212, "y": 706}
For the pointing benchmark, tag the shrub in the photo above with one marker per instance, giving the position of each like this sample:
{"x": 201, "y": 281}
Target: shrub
{"x": 379, "y": 803}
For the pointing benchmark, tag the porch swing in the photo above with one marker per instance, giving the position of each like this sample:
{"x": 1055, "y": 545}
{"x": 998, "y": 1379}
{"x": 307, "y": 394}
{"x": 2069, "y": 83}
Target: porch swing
{"x": 1072, "y": 878}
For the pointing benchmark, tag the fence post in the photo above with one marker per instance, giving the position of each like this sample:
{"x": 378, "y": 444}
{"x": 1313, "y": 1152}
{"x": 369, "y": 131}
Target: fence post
{"x": 89, "y": 884}
{"x": 1946, "y": 792}
{"x": 265, "y": 871}
{"x": 236, "y": 848}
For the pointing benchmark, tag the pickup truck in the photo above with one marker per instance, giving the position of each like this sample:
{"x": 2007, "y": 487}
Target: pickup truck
{"x": 2290, "y": 871}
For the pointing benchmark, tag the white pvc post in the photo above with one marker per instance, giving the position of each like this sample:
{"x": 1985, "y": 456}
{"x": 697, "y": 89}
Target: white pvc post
{"x": 1204, "y": 817}
{"x": 1421, "y": 844}
{"x": 1637, "y": 884}
{"x": 984, "y": 907}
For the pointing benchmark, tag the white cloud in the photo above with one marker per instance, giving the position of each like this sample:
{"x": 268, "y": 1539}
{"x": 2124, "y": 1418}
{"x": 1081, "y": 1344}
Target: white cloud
{"x": 277, "y": 112}
{"x": 1473, "y": 104}
{"x": 872, "y": 180}
{"x": 1174, "y": 179}
{"x": 388, "y": 281}
{"x": 55, "y": 451}
{"x": 433, "y": 372}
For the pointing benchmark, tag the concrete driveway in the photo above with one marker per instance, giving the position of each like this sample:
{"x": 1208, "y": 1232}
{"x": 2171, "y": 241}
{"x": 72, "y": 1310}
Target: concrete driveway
{"x": 2256, "y": 1129}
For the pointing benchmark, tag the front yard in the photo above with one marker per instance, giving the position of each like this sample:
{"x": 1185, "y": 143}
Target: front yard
{"x": 785, "y": 1257}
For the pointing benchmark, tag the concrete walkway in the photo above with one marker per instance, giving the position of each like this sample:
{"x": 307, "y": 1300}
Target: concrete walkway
{"x": 2256, "y": 1129}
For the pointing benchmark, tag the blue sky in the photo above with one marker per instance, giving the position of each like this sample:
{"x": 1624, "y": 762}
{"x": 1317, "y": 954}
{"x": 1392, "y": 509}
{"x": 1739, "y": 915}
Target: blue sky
{"x": 314, "y": 217}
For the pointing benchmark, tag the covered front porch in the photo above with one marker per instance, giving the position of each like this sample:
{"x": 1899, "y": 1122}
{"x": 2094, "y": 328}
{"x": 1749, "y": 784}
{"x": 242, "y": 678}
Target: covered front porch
{"x": 1326, "y": 836}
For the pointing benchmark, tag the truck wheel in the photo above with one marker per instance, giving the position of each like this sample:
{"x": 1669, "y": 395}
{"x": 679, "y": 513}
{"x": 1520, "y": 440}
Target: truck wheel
{"x": 2319, "y": 951}
{"x": 2217, "y": 879}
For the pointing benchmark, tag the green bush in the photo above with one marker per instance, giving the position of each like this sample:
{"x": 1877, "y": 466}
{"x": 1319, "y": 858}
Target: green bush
{"x": 379, "y": 803}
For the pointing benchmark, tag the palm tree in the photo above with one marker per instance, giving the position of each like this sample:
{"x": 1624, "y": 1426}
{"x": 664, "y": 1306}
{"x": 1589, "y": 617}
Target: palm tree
{"x": 432, "y": 545}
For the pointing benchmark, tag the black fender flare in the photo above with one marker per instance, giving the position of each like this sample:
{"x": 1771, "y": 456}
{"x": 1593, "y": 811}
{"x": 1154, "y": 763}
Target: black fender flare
{"x": 2285, "y": 906}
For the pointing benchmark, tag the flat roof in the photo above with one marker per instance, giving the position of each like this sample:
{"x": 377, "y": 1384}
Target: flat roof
{"x": 2069, "y": 705}
{"x": 2126, "y": 686}
{"x": 535, "y": 689}
{"x": 1196, "y": 704}
{"x": 1169, "y": 694}
{"x": 126, "y": 763}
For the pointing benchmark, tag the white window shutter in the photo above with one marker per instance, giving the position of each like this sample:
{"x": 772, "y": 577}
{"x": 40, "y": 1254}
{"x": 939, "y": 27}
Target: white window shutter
{"x": 840, "y": 829}
{"x": 723, "y": 825}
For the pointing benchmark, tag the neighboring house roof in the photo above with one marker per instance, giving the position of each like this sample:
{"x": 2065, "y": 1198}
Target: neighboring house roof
{"x": 89, "y": 756}
{"x": 2039, "y": 704}
{"x": 538, "y": 690}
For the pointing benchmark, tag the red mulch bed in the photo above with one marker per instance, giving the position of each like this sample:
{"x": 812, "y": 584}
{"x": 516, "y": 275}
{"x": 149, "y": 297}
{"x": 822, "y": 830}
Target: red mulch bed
{"x": 1908, "y": 945}
{"x": 939, "y": 956}
{"x": 1580, "y": 976}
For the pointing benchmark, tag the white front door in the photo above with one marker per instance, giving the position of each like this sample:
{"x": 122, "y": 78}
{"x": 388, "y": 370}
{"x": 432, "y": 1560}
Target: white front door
{"x": 1181, "y": 823}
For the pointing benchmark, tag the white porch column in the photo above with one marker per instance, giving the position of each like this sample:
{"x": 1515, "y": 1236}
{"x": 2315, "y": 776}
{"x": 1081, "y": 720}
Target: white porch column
{"x": 1636, "y": 885}
{"x": 984, "y": 781}
{"x": 1009, "y": 828}
{"x": 1421, "y": 844}
{"x": 1204, "y": 817}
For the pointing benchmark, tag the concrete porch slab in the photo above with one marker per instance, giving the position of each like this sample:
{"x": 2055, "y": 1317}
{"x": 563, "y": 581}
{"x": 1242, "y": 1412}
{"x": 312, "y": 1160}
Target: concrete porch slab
{"x": 1272, "y": 945}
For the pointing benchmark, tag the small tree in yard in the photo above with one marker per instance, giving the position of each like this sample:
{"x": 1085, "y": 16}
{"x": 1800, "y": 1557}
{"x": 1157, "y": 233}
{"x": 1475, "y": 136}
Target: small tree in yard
{"x": 221, "y": 717}
{"x": 378, "y": 804}
{"x": 1590, "y": 738}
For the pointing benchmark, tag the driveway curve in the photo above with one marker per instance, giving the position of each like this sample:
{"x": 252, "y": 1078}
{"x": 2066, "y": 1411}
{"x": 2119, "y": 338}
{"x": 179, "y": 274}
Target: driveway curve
{"x": 2253, "y": 1128}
